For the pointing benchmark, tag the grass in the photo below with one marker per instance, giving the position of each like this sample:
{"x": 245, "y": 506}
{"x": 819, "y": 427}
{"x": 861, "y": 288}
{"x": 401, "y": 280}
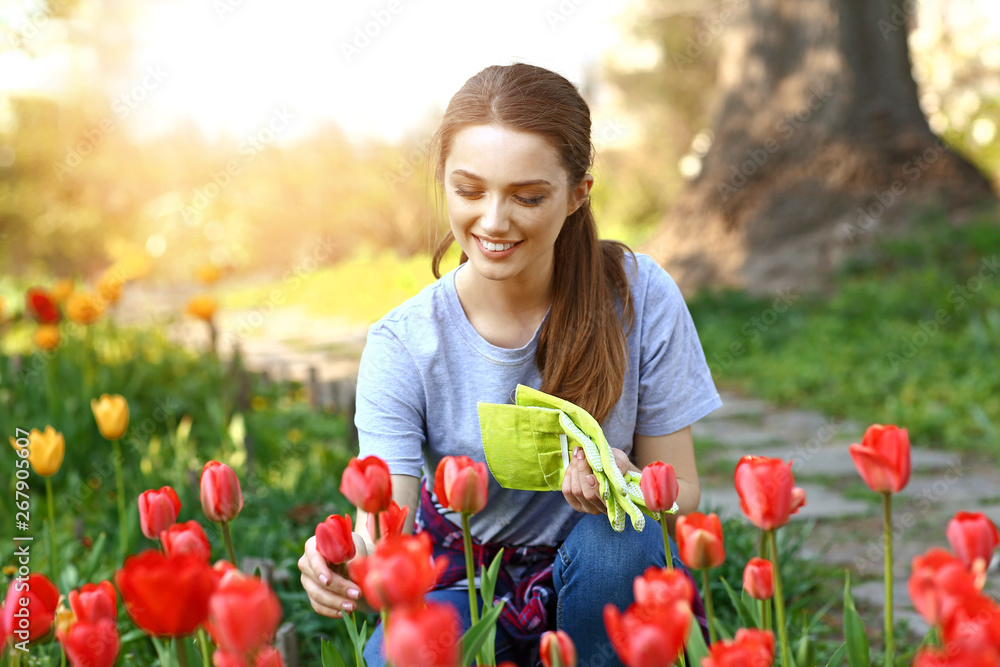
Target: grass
{"x": 902, "y": 340}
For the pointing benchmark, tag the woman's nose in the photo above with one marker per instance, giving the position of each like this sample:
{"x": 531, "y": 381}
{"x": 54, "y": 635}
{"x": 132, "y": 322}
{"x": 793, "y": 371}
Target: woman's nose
{"x": 495, "y": 220}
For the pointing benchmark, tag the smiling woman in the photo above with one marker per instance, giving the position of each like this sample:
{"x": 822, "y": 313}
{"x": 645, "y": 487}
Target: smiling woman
{"x": 536, "y": 300}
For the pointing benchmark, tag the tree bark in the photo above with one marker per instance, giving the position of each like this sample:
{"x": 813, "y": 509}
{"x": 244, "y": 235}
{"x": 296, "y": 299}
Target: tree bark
{"x": 819, "y": 146}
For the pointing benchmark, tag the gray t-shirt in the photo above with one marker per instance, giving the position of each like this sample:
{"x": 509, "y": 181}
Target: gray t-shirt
{"x": 424, "y": 369}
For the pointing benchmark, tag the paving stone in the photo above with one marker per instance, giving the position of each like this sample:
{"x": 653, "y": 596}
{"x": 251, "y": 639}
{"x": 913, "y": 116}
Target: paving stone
{"x": 958, "y": 488}
{"x": 731, "y": 433}
{"x": 873, "y": 593}
{"x": 734, "y": 405}
{"x": 816, "y": 457}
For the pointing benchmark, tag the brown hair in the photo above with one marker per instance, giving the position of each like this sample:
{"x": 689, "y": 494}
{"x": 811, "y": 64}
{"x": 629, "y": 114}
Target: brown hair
{"x": 582, "y": 347}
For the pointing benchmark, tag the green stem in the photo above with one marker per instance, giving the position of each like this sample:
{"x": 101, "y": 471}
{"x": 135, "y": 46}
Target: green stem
{"x": 890, "y": 644}
{"x": 15, "y": 657}
{"x": 120, "y": 481}
{"x": 779, "y": 602}
{"x": 385, "y": 627}
{"x": 62, "y": 656}
{"x": 709, "y": 609}
{"x": 229, "y": 542}
{"x": 52, "y": 530}
{"x": 206, "y": 660}
{"x": 181, "y": 651}
{"x": 666, "y": 541}
{"x": 765, "y": 605}
{"x": 470, "y": 568}
{"x": 357, "y": 650}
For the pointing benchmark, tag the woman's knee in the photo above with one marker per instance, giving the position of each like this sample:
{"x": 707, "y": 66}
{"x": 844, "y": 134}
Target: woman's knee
{"x": 594, "y": 548}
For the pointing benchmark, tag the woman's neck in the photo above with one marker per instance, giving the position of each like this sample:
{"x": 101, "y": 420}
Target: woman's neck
{"x": 506, "y": 313}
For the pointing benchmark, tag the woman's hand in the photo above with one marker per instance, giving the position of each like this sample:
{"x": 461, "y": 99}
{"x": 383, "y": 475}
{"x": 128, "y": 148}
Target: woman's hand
{"x": 330, "y": 594}
{"x": 580, "y": 486}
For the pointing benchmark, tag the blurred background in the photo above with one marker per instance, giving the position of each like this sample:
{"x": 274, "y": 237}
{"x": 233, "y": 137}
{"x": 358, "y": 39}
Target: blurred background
{"x": 204, "y": 204}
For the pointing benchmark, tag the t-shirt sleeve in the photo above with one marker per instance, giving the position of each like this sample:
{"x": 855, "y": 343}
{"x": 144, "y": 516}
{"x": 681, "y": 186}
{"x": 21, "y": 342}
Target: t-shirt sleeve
{"x": 391, "y": 404}
{"x": 675, "y": 383}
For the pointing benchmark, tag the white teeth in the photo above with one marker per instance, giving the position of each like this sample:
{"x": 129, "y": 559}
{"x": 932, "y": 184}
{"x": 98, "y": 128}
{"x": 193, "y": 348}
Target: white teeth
{"x": 495, "y": 247}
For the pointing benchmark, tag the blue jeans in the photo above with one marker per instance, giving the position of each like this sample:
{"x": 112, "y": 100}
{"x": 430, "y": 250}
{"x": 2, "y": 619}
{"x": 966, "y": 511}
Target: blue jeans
{"x": 594, "y": 566}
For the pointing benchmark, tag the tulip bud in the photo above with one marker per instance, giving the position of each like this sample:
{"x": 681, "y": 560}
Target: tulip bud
{"x": 221, "y": 496}
{"x": 45, "y": 450}
{"x": 659, "y": 486}
{"x": 232, "y": 628}
{"x": 767, "y": 491}
{"x": 973, "y": 538}
{"x": 557, "y": 645}
{"x": 47, "y": 337}
{"x": 40, "y": 304}
{"x": 84, "y": 308}
{"x": 391, "y": 521}
{"x": 367, "y": 484}
{"x": 111, "y": 413}
{"x": 158, "y": 510}
{"x": 883, "y": 458}
{"x": 699, "y": 540}
{"x": 461, "y": 484}
{"x": 335, "y": 540}
{"x": 749, "y": 648}
{"x": 203, "y": 307}
{"x": 758, "y": 579}
{"x": 93, "y": 602}
{"x": 424, "y": 636}
{"x": 186, "y": 538}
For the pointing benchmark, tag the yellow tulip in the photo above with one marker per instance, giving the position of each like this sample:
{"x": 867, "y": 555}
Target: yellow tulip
{"x": 47, "y": 336}
{"x": 45, "y": 450}
{"x": 63, "y": 288}
{"x": 84, "y": 308}
{"x": 111, "y": 413}
{"x": 208, "y": 274}
{"x": 203, "y": 307}
{"x": 109, "y": 287}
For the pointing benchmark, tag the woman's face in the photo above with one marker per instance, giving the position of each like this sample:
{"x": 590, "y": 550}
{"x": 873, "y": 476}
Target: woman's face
{"x": 508, "y": 197}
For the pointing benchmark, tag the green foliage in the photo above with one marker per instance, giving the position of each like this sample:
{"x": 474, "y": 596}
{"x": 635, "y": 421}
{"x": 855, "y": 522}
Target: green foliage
{"x": 902, "y": 340}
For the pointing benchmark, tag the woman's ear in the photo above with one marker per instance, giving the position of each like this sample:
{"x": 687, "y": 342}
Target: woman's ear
{"x": 581, "y": 192}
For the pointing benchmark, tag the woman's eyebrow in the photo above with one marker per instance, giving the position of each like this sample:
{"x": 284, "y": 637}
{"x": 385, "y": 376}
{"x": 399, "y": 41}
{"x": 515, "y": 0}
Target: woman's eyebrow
{"x": 518, "y": 184}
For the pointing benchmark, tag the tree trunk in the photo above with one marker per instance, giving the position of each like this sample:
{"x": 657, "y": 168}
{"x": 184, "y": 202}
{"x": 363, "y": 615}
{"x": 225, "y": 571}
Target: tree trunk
{"x": 819, "y": 146}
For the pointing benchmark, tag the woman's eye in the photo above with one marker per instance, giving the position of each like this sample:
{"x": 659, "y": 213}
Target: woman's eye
{"x": 467, "y": 193}
{"x": 533, "y": 201}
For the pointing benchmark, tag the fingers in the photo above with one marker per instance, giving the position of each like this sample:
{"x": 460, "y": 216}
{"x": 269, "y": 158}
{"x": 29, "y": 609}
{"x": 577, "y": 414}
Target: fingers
{"x": 329, "y": 593}
{"x": 580, "y": 487}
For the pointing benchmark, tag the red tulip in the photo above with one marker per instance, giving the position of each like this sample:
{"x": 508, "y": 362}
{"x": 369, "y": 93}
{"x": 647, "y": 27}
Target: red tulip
{"x": 335, "y": 539}
{"x": 768, "y": 495}
{"x": 938, "y": 584}
{"x": 29, "y": 608}
{"x": 92, "y": 643}
{"x": 232, "y": 628}
{"x": 648, "y": 635}
{"x": 750, "y": 648}
{"x": 973, "y": 538}
{"x": 883, "y": 458}
{"x": 166, "y": 595}
{"x": 425, "y": 636}
{"x": 559, "y": 644}
{"x": 268, "y": 656}
{"x": 94, "y": 602}
{"x": 663, "y": 586}
{"x": 954, "y": 656}
{"x": 974, "y": 624}
{"x": 186, "y": 538}
{"x": 390, "y": 522}
{"x": 699, "y": 540}
{"x": 659, "y": 486}
{"x": 461, "y": 484}
{"x": 367, "y": 484}
{"x": 758, "y": 579}
{"x": 221, "y": 496}
{"x": 399, "y": 572}
{"x": 158, "y": 510}
{"x": 41, "y": 305}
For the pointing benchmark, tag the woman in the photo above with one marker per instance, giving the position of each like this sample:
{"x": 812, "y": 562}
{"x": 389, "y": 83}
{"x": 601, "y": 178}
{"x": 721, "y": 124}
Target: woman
{"x": 537, "y": 300}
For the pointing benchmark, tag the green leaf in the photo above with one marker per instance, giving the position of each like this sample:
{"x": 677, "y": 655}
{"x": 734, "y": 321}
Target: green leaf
{"x": 93, "y": 559}
{"x": 858, "y": 653}
{"x": 696, "y": 648}
{"x": 357, "y": 640}
{"x": 805, "y": 652}
{"x": 488, "y": 581}
{"x": 754, "y": 607}
{"x": 473, "y": 638}
{"x": 838, "y": 656}
{"x": 329, "y": 654}
{"x": 747, "y": 617}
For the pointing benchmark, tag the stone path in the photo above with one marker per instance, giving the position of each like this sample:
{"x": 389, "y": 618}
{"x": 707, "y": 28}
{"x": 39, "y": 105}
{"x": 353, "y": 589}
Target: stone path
{"x": 848, "y": 532}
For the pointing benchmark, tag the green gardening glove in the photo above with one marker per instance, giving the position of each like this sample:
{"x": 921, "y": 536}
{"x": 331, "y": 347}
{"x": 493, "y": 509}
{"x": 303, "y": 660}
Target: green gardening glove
{"x": 528, "y": 445}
